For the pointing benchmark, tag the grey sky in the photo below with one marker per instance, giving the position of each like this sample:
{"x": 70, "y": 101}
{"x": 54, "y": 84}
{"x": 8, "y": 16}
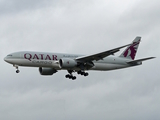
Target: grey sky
{"x": 82, "y": 27}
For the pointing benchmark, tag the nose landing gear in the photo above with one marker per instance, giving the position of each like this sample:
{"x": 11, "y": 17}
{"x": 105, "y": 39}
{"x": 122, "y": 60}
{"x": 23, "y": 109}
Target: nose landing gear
{"x": 17, "y": 70}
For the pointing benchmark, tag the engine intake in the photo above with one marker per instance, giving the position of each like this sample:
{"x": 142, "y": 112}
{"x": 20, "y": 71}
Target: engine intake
{"x": 47, "y": 71}
{"x": 67, "y": 63}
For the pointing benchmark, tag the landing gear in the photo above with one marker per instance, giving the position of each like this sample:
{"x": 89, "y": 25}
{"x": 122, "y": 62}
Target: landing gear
{"x": 17, "y": 71}
{"x": 16, "y": 66}
{"x": 70, "y": 76}
{"x": 82, "y": 73}
{"x": 86, "y": 74}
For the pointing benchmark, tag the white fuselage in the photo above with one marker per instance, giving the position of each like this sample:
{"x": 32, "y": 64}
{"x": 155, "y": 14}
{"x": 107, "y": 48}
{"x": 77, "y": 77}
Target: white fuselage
{"x": 51, "y": 60}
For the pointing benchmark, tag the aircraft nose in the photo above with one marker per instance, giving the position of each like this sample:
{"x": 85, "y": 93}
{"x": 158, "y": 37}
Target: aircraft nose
{"x": 5, "y": 59}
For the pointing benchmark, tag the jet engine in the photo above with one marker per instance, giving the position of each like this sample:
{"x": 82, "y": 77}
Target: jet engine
{"x": 67, "y": 63}
{"x": 47, "y": 71}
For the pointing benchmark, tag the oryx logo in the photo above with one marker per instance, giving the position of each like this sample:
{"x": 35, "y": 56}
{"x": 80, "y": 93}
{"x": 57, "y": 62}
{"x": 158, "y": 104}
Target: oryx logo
{"x": 131, "y": 51}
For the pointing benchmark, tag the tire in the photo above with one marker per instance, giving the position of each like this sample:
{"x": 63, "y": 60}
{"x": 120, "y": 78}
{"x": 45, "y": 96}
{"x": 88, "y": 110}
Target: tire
{"x": 17, "y": 71}
{"x": 74, "y": 77}
{"x": 79, "y": 72}
{"x": 82, "y": 73}
{"x": 67, "y": 76}
{"x": 70, "y": 77}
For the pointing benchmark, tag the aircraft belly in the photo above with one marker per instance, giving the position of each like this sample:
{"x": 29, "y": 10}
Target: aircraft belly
{"x": 106, "y": 66}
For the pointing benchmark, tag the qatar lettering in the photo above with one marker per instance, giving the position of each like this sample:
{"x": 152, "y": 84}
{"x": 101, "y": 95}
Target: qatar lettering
{"x": 30, "y": 57}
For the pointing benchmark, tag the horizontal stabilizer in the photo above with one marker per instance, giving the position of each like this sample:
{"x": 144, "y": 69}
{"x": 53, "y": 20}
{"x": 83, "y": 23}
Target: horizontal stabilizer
{"x": 139, "y": 60}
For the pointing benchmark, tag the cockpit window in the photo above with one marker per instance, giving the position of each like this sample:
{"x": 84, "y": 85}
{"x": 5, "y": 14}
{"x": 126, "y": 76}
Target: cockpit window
{"x": 9, "y": 55}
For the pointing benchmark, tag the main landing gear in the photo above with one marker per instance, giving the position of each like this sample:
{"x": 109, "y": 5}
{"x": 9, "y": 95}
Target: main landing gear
{"x": 17, "y": 70}
{"x": 70, "y": 75}
{"x": 82, "y": 73}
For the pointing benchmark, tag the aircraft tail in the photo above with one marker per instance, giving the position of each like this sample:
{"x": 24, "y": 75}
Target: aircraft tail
{"x": 130, "y": 51}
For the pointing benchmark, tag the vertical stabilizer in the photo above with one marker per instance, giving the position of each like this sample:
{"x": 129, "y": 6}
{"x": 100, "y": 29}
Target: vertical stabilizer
{"x": 131, "y": 51}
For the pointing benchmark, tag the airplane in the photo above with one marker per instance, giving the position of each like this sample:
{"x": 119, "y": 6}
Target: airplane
{"x": 50, "y": 63}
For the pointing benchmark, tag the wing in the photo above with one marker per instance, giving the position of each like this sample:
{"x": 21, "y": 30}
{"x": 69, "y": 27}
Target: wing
{"x": 99, "y": 56}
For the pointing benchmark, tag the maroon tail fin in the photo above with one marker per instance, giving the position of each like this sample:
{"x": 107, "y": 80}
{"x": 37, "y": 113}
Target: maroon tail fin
{"x": 131, "y": 51}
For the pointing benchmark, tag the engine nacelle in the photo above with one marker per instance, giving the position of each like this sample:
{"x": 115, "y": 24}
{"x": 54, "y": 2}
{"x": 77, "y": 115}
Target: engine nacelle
{"x": 47, "y": 71}
{"x": 67, "y": 63}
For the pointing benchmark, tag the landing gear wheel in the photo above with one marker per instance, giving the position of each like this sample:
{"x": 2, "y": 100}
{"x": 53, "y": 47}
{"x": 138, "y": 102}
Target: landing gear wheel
{"x": 79, "y": 72}
{"x": 67, "y": 76}
{"x": 74, "y": 77}
{"x": 82, "y": 73}
{"x": 70, "y": 77}
{"x": 17, "y": 71}
{"x": 85, "y": 74}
